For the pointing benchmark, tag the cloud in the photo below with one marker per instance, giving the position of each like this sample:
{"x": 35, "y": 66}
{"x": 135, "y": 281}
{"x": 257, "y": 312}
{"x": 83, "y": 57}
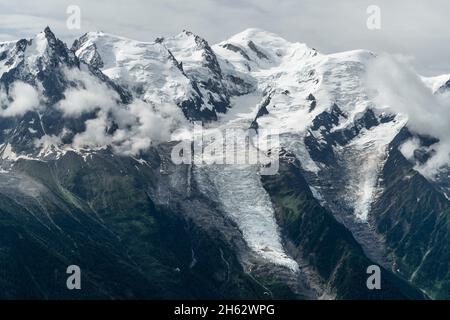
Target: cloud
{"x": 89, "y": 94}
{"x": 408, "y": 148}
{"x": 95, "y": 134}
{"x": 147, "y": 126}
{"x": 137, "y": 125}
{"x": 397, "y": 87}
{"x": 24, "y": 98}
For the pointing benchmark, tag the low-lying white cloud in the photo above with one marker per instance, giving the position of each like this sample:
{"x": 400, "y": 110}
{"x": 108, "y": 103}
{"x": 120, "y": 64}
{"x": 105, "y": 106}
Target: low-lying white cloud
{"x": 408, "y": 148}
{"x": 397, "y": 87}
{"x": 22, "y": 98}
{"x": 137, "y": 125}
{"x": 89, "y": 94}
{"x": 144, "y": 122}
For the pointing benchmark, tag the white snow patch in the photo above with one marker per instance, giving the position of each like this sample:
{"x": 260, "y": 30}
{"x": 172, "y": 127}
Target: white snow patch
{"x": 434, "y": 83}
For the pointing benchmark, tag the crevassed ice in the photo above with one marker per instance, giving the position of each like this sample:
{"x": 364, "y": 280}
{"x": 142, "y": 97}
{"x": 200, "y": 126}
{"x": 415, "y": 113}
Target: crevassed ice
{"x": 240, "y": 192}
{"x": 242, "y": 196}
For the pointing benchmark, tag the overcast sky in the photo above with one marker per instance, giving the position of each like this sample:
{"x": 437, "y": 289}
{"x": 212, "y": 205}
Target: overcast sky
{"x": 419, "y": 29}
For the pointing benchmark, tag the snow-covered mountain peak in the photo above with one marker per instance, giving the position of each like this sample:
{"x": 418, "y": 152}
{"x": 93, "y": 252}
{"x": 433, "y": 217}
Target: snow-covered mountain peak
{"x": 255, "y": 49}
{"x": 191, "y": 50}
{"x": 46, "y": 50}
{"x": 147, "y": 67}
{"x": 44, "y": 42}
{"x": 259, "y": 36}
{"x": 359, "y": 55}
{"x": 201, "y": 65}
{"x": 115, "y": 51}
{"x": 318, "y": 103}
{"x": 43, "y": 51}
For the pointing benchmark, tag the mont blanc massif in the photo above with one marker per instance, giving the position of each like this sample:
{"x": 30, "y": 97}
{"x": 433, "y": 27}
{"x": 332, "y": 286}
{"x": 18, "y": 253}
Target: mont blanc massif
{"x": 87, "y": 134}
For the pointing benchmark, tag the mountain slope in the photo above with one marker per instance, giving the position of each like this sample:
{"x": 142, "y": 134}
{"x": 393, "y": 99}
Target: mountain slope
{"x": 115, "y": 230}
{"x": 86, "y": 175}
{"x": 148, "y": 69}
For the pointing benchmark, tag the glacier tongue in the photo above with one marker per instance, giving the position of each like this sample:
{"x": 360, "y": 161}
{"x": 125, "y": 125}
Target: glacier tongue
{"x": 285, "y": 75}
{"x": 243, "y": 198}
{"x": 240, "y": 192}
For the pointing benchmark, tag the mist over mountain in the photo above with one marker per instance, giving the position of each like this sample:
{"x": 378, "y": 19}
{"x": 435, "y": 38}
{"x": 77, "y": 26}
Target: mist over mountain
{"x": 86, "y": 176}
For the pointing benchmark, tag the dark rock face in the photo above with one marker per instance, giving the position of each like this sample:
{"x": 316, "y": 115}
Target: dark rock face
{"x": 315, "y": 237}
{"x": 49, "y": 73}
{"x": 48, "y": 67}
{"x": 322, "y": 151}
{"x": 328, "y": 119}
{"x": 258, "y": 52}
{"x": 192, "y": 110}
{"x": 414, "y": 218}
{"x": 96, "y": 60}
{"x": 262, "y": 111}
{"x": 234, "y": 48}
{"x": 313, "y": 102}
{"x": 411, "y": 214}
{"x": 208, "y": 79}
{"x": 445, "y": 87}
